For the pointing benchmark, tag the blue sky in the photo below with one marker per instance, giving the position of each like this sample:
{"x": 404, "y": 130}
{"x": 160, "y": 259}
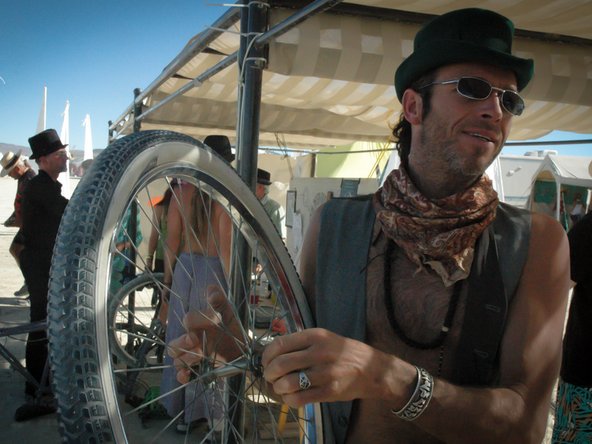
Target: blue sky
{"x": 90, "y": 52}
{"x": 95, "y": 52}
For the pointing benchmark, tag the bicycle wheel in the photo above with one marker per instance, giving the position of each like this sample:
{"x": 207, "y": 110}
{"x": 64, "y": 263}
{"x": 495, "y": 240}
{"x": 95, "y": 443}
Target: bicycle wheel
{"x": 134, "y": 332}
{"x": 95, "y": 237}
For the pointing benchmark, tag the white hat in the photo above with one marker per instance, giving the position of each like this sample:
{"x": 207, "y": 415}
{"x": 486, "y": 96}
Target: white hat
{"x": 9, "y": 161}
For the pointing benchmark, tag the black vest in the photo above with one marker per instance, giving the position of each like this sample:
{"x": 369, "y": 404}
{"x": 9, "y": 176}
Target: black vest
{"x": 342, "y": 254}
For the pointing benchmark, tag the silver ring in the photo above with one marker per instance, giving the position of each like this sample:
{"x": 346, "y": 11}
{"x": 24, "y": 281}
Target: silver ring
{"x": 303, "y": 380}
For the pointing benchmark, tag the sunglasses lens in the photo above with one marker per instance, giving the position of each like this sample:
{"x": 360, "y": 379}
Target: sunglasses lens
{"x": 479, "y": 90}
{"x": 512, "y": 102}
{"x": 474, "y": 88}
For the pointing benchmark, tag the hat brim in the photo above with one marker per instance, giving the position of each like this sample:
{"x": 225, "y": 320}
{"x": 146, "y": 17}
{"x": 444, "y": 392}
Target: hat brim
{"x": 54, "y": 149}
{"x": 447, "y": 52}
{"x": 264, "y": 182}
{"x": 5, "y": 171}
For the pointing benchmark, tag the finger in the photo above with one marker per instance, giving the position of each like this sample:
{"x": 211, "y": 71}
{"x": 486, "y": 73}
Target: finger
{"x": 196, "y": 321}
{"x": 183, "y": 344}
{"x": 187, "y": 360}
{"x": 184, "y": 375}
{"x": 286, "y": 344}
{"x": 293, "y": 382}
{"x": 287, "y": 363}
{"x": 219, "y": 303}
{"x": 303, "y": 397}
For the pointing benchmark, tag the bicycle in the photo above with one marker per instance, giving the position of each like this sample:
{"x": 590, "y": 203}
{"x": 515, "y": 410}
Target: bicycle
{"x": 43, "y": 394}
{"x": 87, "y": 361}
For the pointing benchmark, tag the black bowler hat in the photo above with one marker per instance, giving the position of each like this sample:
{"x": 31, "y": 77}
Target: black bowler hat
{"x": 44, "y": 143}
{"x": 221, "y": 145}
{"x": 465, "y": 35}
{"x": 263, "y": 177}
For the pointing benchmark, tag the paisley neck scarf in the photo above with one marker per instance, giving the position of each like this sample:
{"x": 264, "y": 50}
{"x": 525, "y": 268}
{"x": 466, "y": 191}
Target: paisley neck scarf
{"x": 439, "y": 233}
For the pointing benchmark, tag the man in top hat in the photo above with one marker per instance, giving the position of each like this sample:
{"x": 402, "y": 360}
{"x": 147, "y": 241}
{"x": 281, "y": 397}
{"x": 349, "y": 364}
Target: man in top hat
{"x": 272, "y": 208}
{"x": 16, "y": 167}
{"x": 440, "y": 310}
{"x": 43, "y": 206}
{"x": 221, "y": 145}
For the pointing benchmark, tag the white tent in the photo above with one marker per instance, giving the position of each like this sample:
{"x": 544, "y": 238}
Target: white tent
{"x": 563, "y": 171}
{"x": 327, "y": 76}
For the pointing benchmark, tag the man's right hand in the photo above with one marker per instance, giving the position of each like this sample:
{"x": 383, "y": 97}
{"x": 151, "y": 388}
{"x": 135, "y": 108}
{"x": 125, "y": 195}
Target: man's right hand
{"x": 213, "y": 332}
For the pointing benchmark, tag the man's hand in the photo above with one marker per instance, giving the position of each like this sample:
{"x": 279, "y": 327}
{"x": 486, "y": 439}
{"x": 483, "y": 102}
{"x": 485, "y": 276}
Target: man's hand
{"x": 213, "y": 333}
{"x": 339, "y": 369}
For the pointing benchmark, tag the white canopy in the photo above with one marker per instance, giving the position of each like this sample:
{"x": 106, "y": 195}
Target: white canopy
{"x": 562, "y": 170}
{"x": 567, "y": 170}
{"x": 329, "y": 80}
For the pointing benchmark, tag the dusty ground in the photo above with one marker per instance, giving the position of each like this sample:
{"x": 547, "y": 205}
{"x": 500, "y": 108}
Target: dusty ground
{"x": 13, "y": 311}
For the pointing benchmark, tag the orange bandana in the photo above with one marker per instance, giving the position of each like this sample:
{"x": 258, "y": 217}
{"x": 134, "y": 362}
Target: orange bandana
{"x": 440, "y": 233}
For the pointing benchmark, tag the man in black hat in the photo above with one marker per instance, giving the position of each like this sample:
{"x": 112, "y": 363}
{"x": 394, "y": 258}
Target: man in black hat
{"x": 221, "y": 145}
{"x": 462, "y": 297}
{"x": 43, "y": 206}
{"x": 272, "y": 208}
{"x": 440, "y": 309}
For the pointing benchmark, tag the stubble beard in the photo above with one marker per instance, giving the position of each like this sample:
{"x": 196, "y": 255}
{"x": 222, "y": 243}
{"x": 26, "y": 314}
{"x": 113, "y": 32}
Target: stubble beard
{"x": 446, "y": 153}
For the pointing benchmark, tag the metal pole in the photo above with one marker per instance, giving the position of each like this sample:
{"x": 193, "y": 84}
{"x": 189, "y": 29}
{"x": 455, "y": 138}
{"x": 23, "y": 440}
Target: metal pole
{"x": 253, "y": 22}
{"x": 250, "y": 106}
{"x": 196, "y": 82}
{"x": 137, "y": 110}
{"x": 110, "y": 132}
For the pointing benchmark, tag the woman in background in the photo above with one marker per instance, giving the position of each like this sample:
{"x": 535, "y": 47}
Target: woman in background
{"x": 197, "y": 254}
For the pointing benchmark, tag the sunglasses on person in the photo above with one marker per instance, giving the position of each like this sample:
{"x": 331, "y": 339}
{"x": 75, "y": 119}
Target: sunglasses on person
{"x": 479, "y": 89}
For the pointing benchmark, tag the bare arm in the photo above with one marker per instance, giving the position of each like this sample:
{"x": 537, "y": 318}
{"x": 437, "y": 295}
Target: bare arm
{"x": 177, "y": 207}
{"x": 154, "y": 234}
{"x": 344, "y": 369}
{"x": 224, "y": 235}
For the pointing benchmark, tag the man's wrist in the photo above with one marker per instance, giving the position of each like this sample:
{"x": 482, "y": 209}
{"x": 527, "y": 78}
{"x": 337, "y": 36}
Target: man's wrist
{"x": 420, "y": 398}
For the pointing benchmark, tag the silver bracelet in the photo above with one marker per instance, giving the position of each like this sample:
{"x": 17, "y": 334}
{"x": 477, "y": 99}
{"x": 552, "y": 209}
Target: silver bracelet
{"x": 420, "y": 398}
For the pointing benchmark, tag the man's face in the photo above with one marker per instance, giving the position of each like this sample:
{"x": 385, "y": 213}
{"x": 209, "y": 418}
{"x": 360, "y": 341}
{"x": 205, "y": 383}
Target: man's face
{"x": 15, "y": 173}
{"x": 260, "y": 191}
{"x": 57, "y": 161}
{"x": 462, "y": 135}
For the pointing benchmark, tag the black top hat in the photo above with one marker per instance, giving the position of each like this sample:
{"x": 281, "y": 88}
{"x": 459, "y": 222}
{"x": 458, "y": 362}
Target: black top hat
{"x": 44, "y": 143}
{"x": 465, "y": 35}
{"x": 263, "y": 177}
{"x": 221, "y": 145}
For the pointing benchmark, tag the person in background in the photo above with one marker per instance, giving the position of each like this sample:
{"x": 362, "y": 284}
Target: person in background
{"x": 573, "y": 407}
{"x": 18, "y": 168}
{"x": 196, "y": 254}
{"x": 123, "y": 267}
{"x": 440, "y": 310}
{"x": 158, "y": 233}
{"x": 272, "y": 208}
{"x": 42, "y": 209}
{"x": 221, "y": 145}
{"x": 577, "y": 210}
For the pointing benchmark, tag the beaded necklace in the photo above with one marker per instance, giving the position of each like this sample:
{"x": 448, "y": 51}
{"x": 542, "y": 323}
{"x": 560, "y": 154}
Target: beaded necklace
{"x": 390, "y": 310}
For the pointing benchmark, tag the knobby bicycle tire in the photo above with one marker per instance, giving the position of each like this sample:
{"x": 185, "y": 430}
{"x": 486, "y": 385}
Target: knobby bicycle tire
{"x": 86, "y": 377}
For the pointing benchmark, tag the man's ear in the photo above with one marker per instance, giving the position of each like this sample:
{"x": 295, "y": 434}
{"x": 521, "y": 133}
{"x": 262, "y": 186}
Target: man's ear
{"x": 412, "y": 106}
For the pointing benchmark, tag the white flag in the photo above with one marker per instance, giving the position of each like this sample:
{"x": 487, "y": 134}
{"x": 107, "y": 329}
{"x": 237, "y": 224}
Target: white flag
{"x": 64, "y": 177}
{"x": 88, "y": 145}
{"x": 42, "y": 119}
